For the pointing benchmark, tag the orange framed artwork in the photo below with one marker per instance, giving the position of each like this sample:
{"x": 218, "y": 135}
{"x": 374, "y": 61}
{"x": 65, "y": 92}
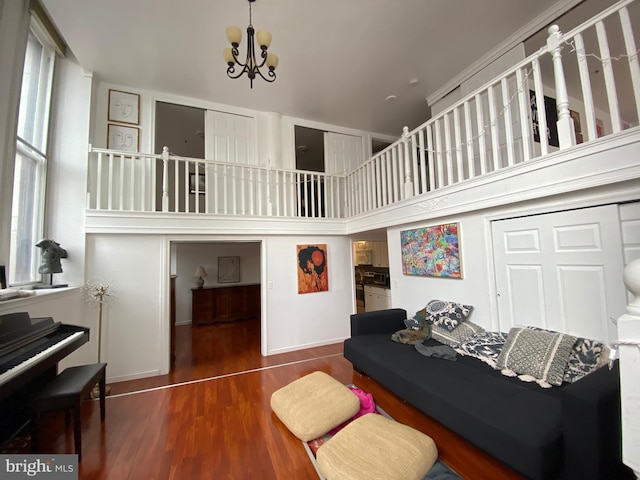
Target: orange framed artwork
{"x": 313, "y": 274}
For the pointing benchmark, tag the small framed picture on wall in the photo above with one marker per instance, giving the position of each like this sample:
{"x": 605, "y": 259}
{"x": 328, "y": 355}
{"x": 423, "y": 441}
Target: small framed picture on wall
{"x": 120, "y": 137}
{"x": 228, "y": 269}
{"x": 197, "y": 183}
{"x": 124, "y": 107}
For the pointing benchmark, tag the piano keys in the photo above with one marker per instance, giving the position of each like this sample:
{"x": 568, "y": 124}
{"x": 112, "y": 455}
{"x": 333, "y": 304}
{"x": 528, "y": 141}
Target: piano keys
{"x": 30, "y": 350}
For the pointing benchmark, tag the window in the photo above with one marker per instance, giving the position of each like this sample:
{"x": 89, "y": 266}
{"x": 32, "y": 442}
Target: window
{"x": 27, "y": 216}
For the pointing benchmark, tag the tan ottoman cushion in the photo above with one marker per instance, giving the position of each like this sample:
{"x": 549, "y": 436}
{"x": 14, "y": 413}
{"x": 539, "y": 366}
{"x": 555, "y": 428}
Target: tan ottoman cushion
{"x": 314, "y": 404}
{"x": 373, "y": 447}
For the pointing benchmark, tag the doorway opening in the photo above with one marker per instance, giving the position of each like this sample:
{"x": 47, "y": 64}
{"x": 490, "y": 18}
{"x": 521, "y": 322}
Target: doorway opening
{"x": 227, "y": 305}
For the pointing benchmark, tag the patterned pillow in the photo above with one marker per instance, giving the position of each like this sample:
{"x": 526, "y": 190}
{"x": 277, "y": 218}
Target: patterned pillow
{"x": 457, "y": 335}
{"x": 536, "y": 354}
{"x": 485, "y": 346}
{"x": 417, "y": 321}
{"x": 446, "y": 314}
{"x": 586, "y": 356}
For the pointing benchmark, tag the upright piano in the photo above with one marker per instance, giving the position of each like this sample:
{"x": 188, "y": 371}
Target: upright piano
{"x": 30, "y": 349}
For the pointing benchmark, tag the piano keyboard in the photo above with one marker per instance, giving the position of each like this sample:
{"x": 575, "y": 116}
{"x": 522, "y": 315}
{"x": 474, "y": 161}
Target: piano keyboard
{"x": 20, "y": 363}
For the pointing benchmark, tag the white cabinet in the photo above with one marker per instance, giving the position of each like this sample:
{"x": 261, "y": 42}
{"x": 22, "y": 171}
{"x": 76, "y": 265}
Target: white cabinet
{"x": 371, "y": 253}
{"x": 376, "y": 298}
{"x": 380, "y": 254}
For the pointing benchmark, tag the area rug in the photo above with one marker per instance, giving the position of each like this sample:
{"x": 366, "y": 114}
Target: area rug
{"x": 439, "y": 471}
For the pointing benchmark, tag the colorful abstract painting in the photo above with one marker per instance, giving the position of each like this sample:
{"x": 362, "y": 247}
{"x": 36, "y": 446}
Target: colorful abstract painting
{"x": 431, "y": 251}
{"x": 313, "y": 275}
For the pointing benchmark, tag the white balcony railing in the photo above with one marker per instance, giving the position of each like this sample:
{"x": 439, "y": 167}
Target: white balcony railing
{"x": 580, "y": 86}
{"x": 125, "y": 181}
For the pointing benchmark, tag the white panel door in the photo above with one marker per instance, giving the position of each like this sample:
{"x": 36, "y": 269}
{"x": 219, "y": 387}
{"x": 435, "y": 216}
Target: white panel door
{"x": 561, "y": 271}
{"x": 230, "y": 138}
{"x": 343, "y": 153}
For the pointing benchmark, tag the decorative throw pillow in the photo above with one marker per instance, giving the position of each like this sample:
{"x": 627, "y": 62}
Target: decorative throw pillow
{"x": 410, "y": 336}
{"x": 446, "y": 314}
{"x": 417, "y": 321}
{"x": 586, "y": 356}
{"x": 485, "y": 346}
{"x": 457, "y": 335}
{"x": 537, "y": 354}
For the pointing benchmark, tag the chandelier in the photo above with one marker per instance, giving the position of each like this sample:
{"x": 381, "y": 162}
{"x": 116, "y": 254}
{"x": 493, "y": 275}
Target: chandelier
{"x": 251, "y": 66}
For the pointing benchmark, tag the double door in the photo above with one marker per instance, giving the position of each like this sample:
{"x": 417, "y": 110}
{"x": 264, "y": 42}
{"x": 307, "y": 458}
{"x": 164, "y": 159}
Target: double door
{"x": 561, "y": 271}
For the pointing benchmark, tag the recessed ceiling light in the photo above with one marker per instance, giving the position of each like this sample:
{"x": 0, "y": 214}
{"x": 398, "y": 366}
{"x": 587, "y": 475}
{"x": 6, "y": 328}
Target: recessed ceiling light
{"x": 391, "y": 98}
{"x": 413, "y": 82}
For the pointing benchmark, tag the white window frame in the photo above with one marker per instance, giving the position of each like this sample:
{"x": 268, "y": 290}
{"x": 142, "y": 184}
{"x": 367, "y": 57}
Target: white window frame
{"x": 23, "y": 262}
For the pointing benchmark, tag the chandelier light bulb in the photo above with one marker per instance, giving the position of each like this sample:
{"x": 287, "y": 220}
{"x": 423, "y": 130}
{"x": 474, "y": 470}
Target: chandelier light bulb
{"x": 234, "y": 35}
{"x": 228, "y": 57}
{"x": 272, "y": 61}
{"x": 264, "y": 38}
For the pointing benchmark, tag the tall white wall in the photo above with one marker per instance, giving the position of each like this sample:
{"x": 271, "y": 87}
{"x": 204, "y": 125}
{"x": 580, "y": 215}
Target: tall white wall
{"x": 305, "y": 320}
{"x": 136, "y": 322}
{"x": 67, "y": 169}
{"x": 135, "y": 336}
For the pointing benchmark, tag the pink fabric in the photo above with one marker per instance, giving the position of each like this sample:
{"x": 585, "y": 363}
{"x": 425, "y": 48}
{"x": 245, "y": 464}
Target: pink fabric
{"x": 367, "y": 405}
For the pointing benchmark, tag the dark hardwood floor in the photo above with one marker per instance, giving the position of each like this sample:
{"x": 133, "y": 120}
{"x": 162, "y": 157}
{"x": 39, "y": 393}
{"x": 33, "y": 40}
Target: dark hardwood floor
{"x": 210, "y": 418}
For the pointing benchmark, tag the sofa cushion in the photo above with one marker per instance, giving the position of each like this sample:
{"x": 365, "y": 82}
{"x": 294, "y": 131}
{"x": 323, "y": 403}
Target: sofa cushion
{"x": 376, "y": 447}
{"x": 538, "y": 354}
{"x": 314, "y": 404}
{"x": 459, "y": 334}
{"x": 447, "y": 314}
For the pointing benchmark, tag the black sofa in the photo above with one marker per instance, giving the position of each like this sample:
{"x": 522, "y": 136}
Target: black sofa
{"x": 566, "y": 432}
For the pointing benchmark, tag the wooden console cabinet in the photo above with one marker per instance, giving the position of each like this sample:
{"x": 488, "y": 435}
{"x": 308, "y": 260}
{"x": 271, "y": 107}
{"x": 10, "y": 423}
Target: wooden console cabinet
{"x": 224, "y": 304}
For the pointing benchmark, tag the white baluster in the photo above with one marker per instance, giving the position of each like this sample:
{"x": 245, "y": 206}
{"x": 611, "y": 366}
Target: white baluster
{"x": 448, "y": 153}
{"x": 385, "y": 183}
{"x": 431, "y": 157}
{"x": 458, "y": 142}
{"x": 566, "y": 131}
{"x": 541, "y": 111}
{"x": 482, "y": 135}
{"x": 523, "y": 108}
{"x": 493, "y": 128}
{"x": 609, "y": 77}
{"x": 469, "y": 139}
{"x": 121, "y": 183}
{"x": 408, "y": 183}
{"x": 111, "y": 183}
{"x": 165, "y": 179}
{"x": 438, "y": 155}
{"x": 394, "y": 195}
{"x": 508, "y": 124}
{"x": 630, "y": 44}
{"x": 628, "y": 345}
{"x": 587, "y": 94}
{"x": 423, "y": 162}
{"x": 99, "y": 183}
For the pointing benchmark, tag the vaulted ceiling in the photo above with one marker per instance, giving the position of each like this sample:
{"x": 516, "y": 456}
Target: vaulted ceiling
{"x": 339, "y": 59}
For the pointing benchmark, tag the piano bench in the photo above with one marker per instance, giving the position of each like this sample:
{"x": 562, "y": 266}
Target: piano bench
{"x": 66, "y": 392}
